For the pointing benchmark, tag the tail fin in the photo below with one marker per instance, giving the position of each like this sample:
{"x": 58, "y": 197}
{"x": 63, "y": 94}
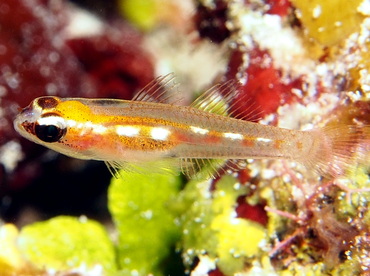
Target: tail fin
{"x": 340, "y": 149}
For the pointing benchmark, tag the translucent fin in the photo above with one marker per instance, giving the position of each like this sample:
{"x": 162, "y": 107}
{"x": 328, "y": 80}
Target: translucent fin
{"x": 191, "y": 168}
{"x": 201, "y": 168}
{"x": 223, "y": 99}
{"x": 160, "y": 90}
{"x": 252, "y": 113}
{"x": 209, "y": 168}
{"x": 339, "y": 149}
{"x": 164, "y": 166}
{"x": 112, "y": 169}
{"x": 218, "y": 98}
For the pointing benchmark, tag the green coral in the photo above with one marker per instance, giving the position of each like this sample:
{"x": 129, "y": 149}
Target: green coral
{"x": 146, "y": 228}
{"x": 65, "y": 242}
{"x": 210, "y": 225}
{"x": 142, "y": 13}
{"x": 358, "y": 185}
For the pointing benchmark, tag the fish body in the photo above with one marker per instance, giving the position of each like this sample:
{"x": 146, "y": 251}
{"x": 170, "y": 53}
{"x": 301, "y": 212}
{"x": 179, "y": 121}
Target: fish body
{"x": 122, "y": 132}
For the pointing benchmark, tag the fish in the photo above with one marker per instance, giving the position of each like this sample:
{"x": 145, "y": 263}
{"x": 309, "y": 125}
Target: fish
{"x": 152, "y": 130}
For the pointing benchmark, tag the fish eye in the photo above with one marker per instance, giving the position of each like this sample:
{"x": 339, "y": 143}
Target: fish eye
{"x": 50, "y": 129}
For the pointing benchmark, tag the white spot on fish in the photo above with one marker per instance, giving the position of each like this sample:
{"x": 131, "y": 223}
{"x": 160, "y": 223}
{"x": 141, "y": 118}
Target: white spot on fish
{"x": 266, "y": 140}
{"x": 159, "y": 133}
{"x": 52, "y": 120}
{"x": 128, "y": 131}
{"x": 99, "y": 129}
{"x": 233, "y": 136}
{"x": 73, "y": 124}
{"x": 199, "y": 130}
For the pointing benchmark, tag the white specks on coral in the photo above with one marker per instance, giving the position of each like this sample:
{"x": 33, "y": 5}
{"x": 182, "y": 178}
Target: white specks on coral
{"x": 12, "y": 79}
{"x": 54, "y": 57}
{"x": 3, "y": 50}
{"x": 205, "y": 265}
{"x": 148, "y": 214}
{"x": 83, "y": 23}
{"x": 316, "y": 12}
{"x": 10, "y": 155}
{"x": 3, "y": 91}
{"x": 364, "y": 8}
{"x": 51, "y": 89}
{"x": 193, "y": 66}
{"x": 134, "y": 272}
{"x": 283, "y": 43}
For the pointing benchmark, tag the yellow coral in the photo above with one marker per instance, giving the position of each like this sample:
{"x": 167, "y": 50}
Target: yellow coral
{"x": 210, "y": 225}
{"x": 147, "y": 14}
{"x": 329, "y": 22}
{"x": 12, "y": 261}
{"x": 9, "y": 252}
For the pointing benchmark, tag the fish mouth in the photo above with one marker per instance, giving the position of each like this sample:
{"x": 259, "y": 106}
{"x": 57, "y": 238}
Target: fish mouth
{"x": 25, "y": 120}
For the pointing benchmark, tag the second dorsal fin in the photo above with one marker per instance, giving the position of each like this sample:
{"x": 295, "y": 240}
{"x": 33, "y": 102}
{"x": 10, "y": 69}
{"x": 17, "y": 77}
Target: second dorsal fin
{"x": 224, "y": 99}
{"x": 218, "y": 98}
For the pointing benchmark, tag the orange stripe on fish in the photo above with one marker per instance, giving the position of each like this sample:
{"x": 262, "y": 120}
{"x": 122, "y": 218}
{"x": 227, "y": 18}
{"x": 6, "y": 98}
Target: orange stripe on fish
{"x": 151, "y": 128}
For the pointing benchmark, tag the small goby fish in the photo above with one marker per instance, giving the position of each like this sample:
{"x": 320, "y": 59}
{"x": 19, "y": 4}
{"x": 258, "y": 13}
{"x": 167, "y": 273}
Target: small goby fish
{"x": 148, "y": 129}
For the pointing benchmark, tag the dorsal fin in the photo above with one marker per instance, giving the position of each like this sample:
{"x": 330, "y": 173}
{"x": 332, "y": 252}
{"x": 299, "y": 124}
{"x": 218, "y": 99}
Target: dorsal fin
{"x": 163, "y": 89}
{"x": 218, "y": 98}
{"x": 223, "y": 99}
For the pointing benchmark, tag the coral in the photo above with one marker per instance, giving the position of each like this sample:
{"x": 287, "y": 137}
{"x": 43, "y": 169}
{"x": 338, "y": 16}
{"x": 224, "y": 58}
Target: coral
{"x": 11, "y": 260}
{"x": 117, "y": 67}
{"x": 290, "y": 83}
{"x": 265, "y": 88}
{"x": 60, "y": 244}
{"x": 210, "y": 20}
{"x": 211, "y": 228}
{"x": 331, "y": 21}
{"x": 279, "y": 7}
{"x": 147, "y": 14}
{"x": 147, "y": 230}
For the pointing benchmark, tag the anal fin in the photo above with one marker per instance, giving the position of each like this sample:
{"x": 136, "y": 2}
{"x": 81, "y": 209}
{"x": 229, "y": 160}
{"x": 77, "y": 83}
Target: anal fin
{"x": 209, "y": 168}
{"x": 162, "y": 166}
